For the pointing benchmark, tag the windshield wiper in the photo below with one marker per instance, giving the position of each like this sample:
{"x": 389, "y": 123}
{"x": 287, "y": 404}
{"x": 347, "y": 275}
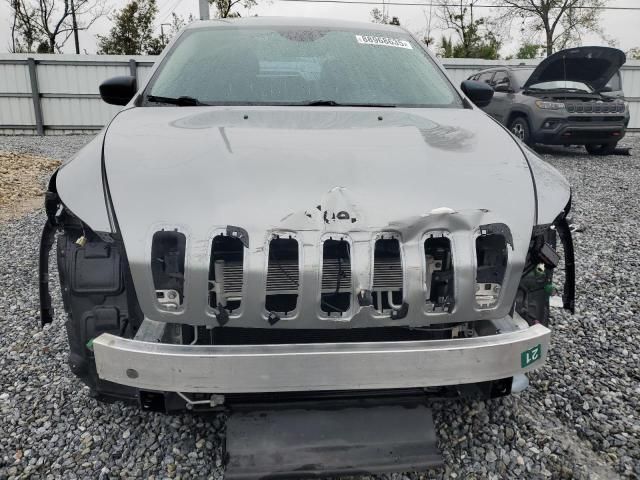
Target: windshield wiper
{"x": 180, "y": 101}
{"x": 333, "y": 103}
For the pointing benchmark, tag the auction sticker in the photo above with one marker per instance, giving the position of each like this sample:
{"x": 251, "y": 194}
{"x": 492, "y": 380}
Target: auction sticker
{"x": 383, "y": 41}
{"x": 529, "y": 356}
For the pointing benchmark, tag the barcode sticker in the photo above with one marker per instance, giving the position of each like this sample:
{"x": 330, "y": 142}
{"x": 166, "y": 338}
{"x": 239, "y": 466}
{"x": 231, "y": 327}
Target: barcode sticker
{"x": 383, "y": 41}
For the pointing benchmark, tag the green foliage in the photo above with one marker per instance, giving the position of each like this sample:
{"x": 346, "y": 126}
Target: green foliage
{"x": 528, "y": 50}
{"x": 558, "y": 23}
{"x": 486, "y": 46}
{"x": 634, "y": 54}
{"x": 132, "y": 32}
{"x": 475, "y": 37}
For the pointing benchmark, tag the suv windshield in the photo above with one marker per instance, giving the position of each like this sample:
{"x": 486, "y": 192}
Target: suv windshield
{"x": 522, "y": 74}
{"x": 299, "y": 66}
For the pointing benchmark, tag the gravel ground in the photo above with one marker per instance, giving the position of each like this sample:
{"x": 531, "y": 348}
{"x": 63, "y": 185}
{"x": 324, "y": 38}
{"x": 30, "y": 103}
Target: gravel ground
{"x": 580, "y": 417}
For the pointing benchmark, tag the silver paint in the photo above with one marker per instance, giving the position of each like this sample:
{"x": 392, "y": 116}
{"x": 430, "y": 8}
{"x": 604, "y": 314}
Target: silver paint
{"x": 267, "y": 169}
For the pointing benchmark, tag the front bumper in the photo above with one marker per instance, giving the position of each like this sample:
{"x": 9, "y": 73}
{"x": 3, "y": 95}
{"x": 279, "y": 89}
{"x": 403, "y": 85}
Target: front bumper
{"x": 568, "y": 132}
{"x": 227, "y": 369}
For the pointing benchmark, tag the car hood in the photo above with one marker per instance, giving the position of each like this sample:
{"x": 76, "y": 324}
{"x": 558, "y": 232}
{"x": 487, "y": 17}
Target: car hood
{"x": 256, "y": 168}
{"x": 591, "y": 65}
{"x": 314, "y": 173}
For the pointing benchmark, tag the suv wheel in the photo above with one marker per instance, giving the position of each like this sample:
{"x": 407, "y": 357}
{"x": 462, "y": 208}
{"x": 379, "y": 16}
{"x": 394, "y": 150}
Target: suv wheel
{"x": 519, "y": 126}
{"x": 601, "y": 149}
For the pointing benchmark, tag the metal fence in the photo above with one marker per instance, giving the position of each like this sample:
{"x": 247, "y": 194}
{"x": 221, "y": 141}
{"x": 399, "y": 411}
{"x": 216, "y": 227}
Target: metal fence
{"x": 58, "y": 94}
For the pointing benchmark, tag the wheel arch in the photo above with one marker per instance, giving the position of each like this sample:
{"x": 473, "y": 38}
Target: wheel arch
{"x": 515, "y": 113}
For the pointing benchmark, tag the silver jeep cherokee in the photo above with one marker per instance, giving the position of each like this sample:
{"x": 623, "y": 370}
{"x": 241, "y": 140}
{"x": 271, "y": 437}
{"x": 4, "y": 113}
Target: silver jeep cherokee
{"x": 303, "y": 206}
{"x": 566, "y": 100}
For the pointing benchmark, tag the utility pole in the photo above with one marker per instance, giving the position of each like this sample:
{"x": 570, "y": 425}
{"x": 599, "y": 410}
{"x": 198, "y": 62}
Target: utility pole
{"x": 164, "y": 41}
{"x": 75, "y": 27}
{"x": 204, "y": 9}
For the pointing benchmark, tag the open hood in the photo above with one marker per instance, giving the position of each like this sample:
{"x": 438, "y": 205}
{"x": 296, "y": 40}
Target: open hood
{"x": 591, "y": 65}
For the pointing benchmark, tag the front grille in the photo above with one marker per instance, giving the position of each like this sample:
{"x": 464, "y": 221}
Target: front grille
{"x": 338, "y": 296}
{"x": 587, "y": 107}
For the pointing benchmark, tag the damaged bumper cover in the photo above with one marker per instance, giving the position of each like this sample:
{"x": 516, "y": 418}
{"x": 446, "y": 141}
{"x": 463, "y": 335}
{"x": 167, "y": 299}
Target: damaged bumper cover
{"x": 229, "y": 369}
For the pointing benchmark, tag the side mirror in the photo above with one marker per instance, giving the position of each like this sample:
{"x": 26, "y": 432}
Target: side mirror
{"x": 479, "y": 92}
{"x": 503, "y": 87}
{"x": 118, "y": 90}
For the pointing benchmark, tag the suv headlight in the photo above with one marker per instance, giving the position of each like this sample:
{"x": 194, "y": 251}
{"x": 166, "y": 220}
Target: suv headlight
{"x": 549, "y": 105}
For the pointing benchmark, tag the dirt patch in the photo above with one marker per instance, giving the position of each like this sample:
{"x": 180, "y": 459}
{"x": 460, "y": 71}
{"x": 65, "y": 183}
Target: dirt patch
{"x": 22, "y": 182}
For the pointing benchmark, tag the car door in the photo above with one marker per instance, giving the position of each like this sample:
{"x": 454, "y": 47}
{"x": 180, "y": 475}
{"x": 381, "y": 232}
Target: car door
{"x": 502, "y": 96}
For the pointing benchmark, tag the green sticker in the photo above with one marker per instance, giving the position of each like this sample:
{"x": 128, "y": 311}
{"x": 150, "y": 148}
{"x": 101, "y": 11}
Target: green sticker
{"x": 529, "y": 356}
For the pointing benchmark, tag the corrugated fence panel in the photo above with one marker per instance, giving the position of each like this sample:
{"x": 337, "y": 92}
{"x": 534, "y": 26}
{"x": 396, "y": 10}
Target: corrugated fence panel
{"x": 14, "y": 78}
{"x": 631, "y": 81}
{"x": 68, "y": 88}
{"x": 78, "y": 112}
{"x": 16, "y": 111}
{"x": 81, "y": 79}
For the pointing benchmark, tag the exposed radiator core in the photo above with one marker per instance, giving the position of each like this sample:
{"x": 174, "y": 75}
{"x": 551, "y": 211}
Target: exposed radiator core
{"x": 283, "y": 277}
{"x": 387, "y": 275}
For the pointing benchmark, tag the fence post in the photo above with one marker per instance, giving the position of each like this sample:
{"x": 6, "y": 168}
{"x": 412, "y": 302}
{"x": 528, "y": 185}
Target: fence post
{"x": 133, "y": 69}
{"x": 35, "y": 95}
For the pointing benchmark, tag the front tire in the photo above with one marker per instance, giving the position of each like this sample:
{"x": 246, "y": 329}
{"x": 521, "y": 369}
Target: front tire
{"x": 519, "y": 126}
{"x": 601, "y": 149}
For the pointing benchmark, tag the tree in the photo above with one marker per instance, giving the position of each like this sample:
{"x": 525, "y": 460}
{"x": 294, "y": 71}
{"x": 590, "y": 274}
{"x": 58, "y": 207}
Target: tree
{"x": 24, "y": 29}
{"x": 224, "y": 7}
{"x": 132, "y": 32}
{"x": 634, "y": 53}
{"x": 561, "y": 22}
{"x": 528, "y": 50}
{"x": 50, "y": 23}
{"x": 475, "y": 37}
{"x": 379, "y": 16}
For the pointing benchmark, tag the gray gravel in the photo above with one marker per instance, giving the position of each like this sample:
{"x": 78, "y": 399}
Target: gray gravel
{"x": 580, "y": 417}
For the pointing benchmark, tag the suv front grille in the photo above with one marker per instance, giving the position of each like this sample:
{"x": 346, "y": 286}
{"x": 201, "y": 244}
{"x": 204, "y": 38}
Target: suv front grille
{"x": 586, "y": 107}
{"x": 335, "y": 292}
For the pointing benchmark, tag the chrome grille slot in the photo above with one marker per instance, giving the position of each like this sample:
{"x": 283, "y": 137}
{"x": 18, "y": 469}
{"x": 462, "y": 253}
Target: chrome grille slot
{"x": 283, "y": 277}
{"x": 226, "y": 273}
{"x": 387, "y": 275}
{"x": 336, "y": 294}
{"x": 439, "y": 275}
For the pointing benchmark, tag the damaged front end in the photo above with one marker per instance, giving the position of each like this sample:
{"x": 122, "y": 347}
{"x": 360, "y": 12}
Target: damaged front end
{"x": 448, "y": 301}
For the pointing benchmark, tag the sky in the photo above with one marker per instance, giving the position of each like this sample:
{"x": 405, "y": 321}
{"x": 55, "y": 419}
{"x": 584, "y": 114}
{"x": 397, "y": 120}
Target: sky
{"x": 619, "y": 25}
